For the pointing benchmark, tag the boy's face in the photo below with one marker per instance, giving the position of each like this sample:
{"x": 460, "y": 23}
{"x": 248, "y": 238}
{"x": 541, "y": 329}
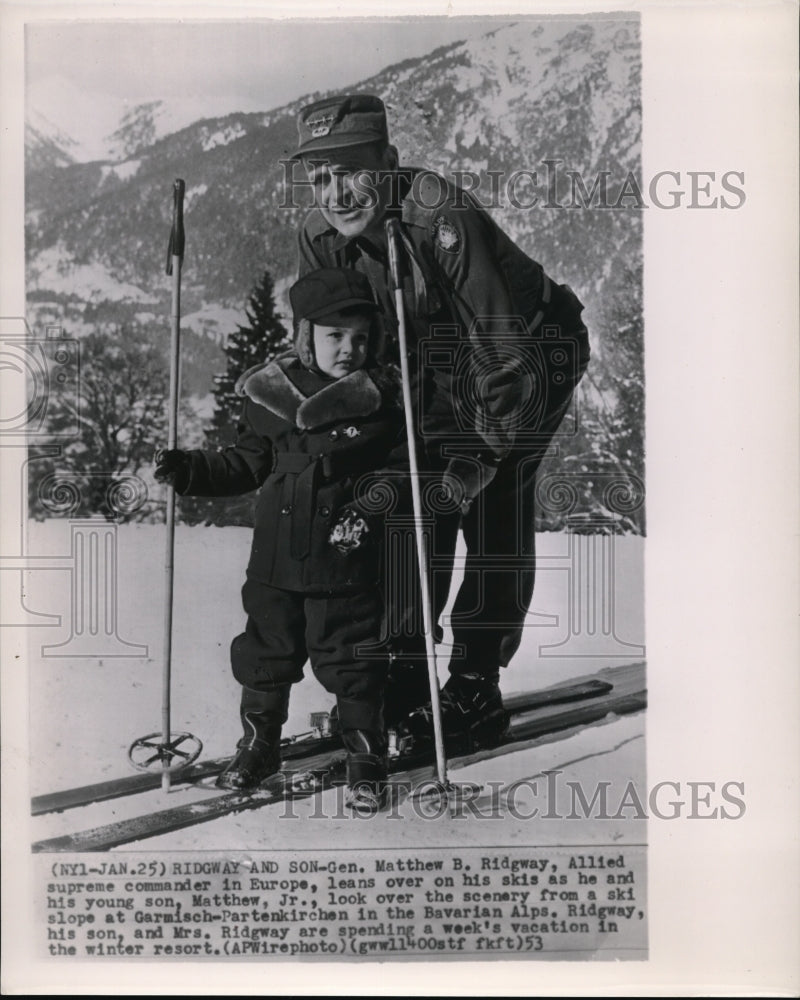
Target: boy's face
{"x": 352, "y": 187}
{"x": 341, "y": 343}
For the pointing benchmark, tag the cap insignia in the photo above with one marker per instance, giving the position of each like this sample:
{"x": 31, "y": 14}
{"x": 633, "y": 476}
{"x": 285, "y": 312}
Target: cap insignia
{"x": 320, "y": 126}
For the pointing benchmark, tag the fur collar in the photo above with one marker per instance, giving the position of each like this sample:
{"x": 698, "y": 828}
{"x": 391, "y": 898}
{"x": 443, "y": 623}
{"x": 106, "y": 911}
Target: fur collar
{"x": 269, "y": 385}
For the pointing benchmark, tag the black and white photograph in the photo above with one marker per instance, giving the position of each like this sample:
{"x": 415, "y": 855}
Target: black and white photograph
{"x": 366, "y": 456}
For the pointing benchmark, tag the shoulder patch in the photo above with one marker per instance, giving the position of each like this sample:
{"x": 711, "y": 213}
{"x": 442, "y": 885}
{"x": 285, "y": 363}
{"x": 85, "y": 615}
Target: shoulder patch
{"x": 445, "y": 235}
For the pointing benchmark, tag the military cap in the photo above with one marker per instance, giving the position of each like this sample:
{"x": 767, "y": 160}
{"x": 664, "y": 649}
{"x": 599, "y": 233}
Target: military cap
{"x": 338, "y": 122}
{"x": 330, "y": 290}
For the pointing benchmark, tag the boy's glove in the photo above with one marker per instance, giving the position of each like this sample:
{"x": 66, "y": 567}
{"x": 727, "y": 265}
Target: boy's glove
{"x": 349, "y": 531}
{"x": 173, "y": 467}
{"x": 463, "y": 480}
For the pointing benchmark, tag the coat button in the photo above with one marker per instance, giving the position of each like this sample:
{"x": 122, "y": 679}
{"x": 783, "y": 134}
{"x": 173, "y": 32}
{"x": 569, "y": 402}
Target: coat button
{"x": 333, "y": 435}
{"x": 324, "y": 511}
{"x": 287, "y": 509}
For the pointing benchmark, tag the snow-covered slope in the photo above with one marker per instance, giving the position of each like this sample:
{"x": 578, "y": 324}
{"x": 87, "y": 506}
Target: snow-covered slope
{"x": 86, "y": 712}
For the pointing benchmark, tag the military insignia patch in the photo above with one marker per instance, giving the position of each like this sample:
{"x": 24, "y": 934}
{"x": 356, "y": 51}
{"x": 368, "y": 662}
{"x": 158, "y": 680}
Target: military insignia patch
{"x": 446, "y": 235}
{"x": 320, "y": 126}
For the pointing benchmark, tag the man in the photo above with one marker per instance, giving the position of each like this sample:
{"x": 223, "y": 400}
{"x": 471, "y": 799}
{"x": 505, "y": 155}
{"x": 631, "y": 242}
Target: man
{"x": 496, "y": 350}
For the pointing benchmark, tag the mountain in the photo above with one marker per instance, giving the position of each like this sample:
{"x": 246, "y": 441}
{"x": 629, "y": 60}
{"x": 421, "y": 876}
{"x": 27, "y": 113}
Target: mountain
{"x": 142, "y": 125}
{"x": 503, "y": 102}
{"x": 526, "y": 109}
{"x": 46, "y": 145}
{"x": 138, "y": 129}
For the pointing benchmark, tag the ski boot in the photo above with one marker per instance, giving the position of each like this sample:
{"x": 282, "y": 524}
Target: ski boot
{"x": 367, "y": 791}
{"x": 258, "y": 752}
{"x": 407, "y": 689}
{"x": 472, "y": 712}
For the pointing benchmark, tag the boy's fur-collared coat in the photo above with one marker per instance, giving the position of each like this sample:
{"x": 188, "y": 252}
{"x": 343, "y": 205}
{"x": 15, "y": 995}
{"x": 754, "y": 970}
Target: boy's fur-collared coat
{"x": 315, "y": 446}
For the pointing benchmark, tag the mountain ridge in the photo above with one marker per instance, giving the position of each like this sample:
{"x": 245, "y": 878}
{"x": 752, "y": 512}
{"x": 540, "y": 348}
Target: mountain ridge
{"x": 482, "y": 105}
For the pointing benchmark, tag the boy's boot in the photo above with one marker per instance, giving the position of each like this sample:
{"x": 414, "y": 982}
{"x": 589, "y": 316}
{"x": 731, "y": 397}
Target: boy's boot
{"x": 472, "y": 710}
{"x": 258, "y": 753}
{"x": 407, "y": 688}
{"x": 364, "y": 740}
{"x": 366, "y": 770}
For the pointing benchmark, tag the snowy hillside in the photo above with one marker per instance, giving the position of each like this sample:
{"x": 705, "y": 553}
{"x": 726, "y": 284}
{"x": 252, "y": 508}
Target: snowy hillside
{"x": 504, "y": 101}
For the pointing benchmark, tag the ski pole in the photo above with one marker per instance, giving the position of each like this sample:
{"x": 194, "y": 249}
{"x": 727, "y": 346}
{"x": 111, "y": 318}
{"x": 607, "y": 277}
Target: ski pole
{"x": 177, "y": 240}
{"x": 394, "y": 241}
{"x": 167, "y": 749}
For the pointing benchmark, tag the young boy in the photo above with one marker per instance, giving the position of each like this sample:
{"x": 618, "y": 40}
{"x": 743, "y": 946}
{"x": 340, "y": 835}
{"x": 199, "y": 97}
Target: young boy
{"x": 314, "y": 422}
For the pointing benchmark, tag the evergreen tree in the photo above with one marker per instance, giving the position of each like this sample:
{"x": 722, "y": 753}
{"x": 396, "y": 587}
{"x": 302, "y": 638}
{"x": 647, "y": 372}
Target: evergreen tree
{"x": 263, "y": 338}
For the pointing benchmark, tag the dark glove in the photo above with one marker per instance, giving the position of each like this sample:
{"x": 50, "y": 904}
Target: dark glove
{"x": 464, "y": 479}
{"x": 349, "y": 532}
{"x": 173, "y": 467}
{"x": 505, "y": 389}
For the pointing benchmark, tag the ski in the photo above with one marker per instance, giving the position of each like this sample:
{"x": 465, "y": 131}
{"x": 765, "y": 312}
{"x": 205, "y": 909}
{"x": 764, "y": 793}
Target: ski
{"x": 563, "y": 707}
{"x": 294, "y": 748}
{"x": 132, "y": 784}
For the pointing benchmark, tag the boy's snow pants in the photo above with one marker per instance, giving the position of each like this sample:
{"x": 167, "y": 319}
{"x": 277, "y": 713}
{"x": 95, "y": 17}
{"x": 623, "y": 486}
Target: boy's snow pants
{"x": 285, "y": 628}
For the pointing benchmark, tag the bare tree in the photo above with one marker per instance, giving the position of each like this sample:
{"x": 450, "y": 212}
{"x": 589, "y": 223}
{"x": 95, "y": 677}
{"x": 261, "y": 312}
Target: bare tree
{"x": 118, "y": 413}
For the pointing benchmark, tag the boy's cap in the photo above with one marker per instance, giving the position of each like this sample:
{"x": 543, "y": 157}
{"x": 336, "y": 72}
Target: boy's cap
{"x": 330, "y": 290}
{"x": 338, "y": 122}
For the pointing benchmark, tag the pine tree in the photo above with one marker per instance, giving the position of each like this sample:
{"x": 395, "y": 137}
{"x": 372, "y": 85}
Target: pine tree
{"x": 263, "y": 338}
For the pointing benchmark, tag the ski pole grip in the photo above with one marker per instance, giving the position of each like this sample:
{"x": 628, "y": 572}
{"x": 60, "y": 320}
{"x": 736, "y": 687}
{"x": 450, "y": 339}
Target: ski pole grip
{"x": 393, "y": 241}
{"x": 177, "y": 237}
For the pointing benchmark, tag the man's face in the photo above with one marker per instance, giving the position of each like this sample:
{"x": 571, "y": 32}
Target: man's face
{"x": 340, "y": 346}
{"x": 352, "y": 187}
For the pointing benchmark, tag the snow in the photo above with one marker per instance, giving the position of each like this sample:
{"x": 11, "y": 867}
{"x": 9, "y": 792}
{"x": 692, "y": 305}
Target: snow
{"x": 89, "y": 122}
{"x": 39, "y": 130}
{"x": 402, "y": 75}
{"x": 54, "y": 270}
{"x": 122, "y": 171}
{"x": 204, "y": 407}
{"x": 222, "y": 136}
{"x": 213, "y": 320}
{"x": 192, "y": 194}
{"x": 86, "y": 711}
{"x": 83, "y": 118}
{"x": 504, "y": 58}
